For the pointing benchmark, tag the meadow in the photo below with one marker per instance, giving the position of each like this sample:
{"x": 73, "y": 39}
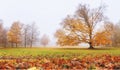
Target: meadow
{"x": 59, "y": 58}
{"x": 57, "y": 52}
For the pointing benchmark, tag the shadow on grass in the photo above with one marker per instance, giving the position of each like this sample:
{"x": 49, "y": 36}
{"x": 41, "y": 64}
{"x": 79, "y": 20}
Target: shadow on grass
{"x": 85, "y": 48}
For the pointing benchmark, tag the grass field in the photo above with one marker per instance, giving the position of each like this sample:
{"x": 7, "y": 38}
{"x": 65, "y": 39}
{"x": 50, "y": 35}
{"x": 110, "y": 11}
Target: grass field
{"x": 57, "y": 52}
{"x": 59, "y": 58}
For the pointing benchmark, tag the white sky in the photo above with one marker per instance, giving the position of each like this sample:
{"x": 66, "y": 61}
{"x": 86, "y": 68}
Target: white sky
{"x": 49, "y": 13}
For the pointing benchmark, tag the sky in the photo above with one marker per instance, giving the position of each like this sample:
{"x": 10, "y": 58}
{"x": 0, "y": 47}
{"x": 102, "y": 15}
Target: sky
{"x": 48, "y": 14}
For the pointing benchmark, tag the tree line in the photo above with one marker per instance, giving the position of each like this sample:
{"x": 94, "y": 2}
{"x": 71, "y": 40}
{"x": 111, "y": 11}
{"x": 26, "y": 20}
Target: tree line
{"x": 21, "y": 35}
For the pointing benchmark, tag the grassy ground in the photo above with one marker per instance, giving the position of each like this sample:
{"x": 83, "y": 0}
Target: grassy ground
{"x": 57, "y": 52}
{"x": 59, "y": 58}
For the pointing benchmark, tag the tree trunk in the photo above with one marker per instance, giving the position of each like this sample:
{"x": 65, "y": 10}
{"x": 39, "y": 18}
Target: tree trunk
{"x": 31, "y": 44}
{"x": 90, "y": 46}
{"x": 25, "y": 41}
{"x": 25, "y": 44}
{"x": 11, "y": 44}
{"x": 5, "y": 44}
{"x": 16, "y": 44}
{"x": 90, "y": 43}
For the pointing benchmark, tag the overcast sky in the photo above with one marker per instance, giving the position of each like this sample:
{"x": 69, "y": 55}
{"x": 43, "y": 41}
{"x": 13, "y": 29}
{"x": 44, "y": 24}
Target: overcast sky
{"x": 49, "y": 13}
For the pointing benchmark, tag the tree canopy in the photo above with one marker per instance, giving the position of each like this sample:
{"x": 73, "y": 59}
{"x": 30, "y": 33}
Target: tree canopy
{"x": 82, "y": 27}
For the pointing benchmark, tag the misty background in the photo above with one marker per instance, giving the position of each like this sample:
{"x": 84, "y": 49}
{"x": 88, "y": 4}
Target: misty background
{"x": 48, "y": 14}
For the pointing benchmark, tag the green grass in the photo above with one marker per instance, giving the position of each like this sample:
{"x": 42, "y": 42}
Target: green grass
{"x": 57, "y": 52}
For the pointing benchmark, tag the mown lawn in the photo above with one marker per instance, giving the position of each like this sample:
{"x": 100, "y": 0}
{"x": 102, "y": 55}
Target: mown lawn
{"x": 57, "y": 52}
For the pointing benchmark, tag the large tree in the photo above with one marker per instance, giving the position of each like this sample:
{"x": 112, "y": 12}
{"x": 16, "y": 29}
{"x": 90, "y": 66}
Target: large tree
{"x": 82, "y": 26}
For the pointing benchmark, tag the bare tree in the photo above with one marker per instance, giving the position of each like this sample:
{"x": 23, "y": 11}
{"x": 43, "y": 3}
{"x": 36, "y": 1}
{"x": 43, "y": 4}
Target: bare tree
{"x": 44, "y": 40}
{"x": 26, "y": 32}
{"x": 33, "y": 35}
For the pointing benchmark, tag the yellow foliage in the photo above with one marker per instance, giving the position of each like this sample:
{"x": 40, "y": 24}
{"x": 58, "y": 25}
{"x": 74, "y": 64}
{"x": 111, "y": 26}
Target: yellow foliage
{"x": 102, "y": 38}
{"x": 14, "y": 34}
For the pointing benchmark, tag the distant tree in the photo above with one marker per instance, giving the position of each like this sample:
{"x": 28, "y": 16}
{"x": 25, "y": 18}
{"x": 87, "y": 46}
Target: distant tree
{"x": 33, "y": 35}
{"x": 116, "y": 35}
{"x": 14, "y": 34}
{"x": 4, "y": 38}
{"x": 26, "y": 34}
{"x": 82, "y": 26}
{"x": 44, "y": 40}
{"x": 3, "y": 35}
